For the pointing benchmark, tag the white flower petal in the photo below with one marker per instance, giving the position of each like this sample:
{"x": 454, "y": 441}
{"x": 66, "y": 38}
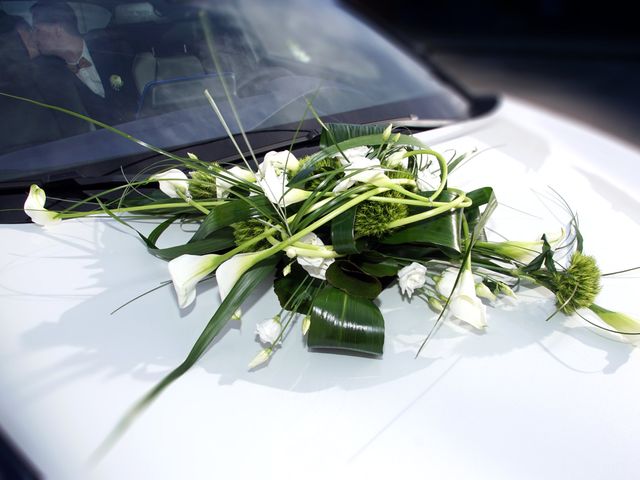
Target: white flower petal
{"x": 280, "y": 161}
{"x": 230, "y": 271}
{"x": 34, "y": 208}
{"x": 464, "y": 303}
{"x": 269, "y": 330}
{"x": 171, "y": 182}
{"x": 186, "y": 271}
{"x": 314, "y": 266}
{"x": 412, "y": 277}
{"x": 362, "y": 169}
{"x": 352, "y": 153}
{"x": 223, "y": 185}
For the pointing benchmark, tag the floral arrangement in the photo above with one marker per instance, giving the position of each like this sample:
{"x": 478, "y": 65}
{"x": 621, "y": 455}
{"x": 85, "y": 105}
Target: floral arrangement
{"x": 372, "y": 209}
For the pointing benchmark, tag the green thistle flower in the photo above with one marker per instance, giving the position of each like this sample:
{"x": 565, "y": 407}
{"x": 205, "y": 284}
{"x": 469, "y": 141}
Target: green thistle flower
{"x": 326, "y": 165}
{"x": 373, "y": 217}
{"x": 248, "y": 230}
{"x": 202, "y": 185}
{"x": 577, "y": 286}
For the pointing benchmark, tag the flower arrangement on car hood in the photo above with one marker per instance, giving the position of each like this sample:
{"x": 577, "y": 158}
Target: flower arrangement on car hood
{"x": 370, "y": 210}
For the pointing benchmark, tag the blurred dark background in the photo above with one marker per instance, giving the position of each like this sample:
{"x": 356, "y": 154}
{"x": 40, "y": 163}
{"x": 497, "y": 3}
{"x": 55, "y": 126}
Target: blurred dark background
{"x": 579, "y": 59}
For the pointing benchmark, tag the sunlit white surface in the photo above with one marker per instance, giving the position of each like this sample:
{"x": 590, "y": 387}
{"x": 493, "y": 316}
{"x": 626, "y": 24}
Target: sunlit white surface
{"x": 528, "y": 399}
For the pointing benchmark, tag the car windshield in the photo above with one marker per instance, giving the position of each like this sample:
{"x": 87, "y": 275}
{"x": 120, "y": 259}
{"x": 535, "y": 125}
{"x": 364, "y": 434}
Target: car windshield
{"x": 145, "y": 66}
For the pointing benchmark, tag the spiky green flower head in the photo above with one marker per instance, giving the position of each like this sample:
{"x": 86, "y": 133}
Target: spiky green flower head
{"x": 320, "y": 170}
{"x": 248, "y": 230}
{"x": 577, "y": 286}
{"x": 203, "y": 183}
{"x": 372, "y": 217}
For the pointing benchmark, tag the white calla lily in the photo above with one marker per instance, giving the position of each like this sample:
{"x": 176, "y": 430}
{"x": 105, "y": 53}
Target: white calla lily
{"x": 186, "y": 271}
{"x": 229, "y": 272}
{"x": 173, "y": 183}
{"x": 362, "y": 169}
{"x": 283, "y": 161}
{"x": 274, "y": 186}
{"x": 223, "y": 185}
{"x": 464, "y": 304}
{"x": 34, "y": 208}
{"x": 315, "y": 265}
{"x": 523, "y": 251}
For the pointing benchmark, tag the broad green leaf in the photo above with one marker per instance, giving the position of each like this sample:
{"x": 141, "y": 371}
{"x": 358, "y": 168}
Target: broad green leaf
{"x": 285, "y": 287}
{"x": 473, "y": 214}
{"x": 441, "y": 232}
{"x": 339, "y": 132}
{"x": 222, "y": 241}
{"x": 386, "y": 268}
{"x": 346, "y": 276}
{"x": 347, "y": 323}
{"x": 228, "y": 213}
{"x": 343, "y": 232}
{"x": 238, "y": 294}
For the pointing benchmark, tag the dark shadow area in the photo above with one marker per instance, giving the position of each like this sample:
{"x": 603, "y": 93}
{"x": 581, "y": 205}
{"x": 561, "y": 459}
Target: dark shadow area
{"x": 576, "y": 59}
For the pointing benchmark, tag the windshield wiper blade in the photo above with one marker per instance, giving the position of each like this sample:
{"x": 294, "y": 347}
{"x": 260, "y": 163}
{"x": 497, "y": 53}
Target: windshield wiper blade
{"x": 415, "y": 122}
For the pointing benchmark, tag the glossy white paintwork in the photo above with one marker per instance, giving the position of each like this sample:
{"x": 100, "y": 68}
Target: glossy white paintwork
{"x": 528, "y": 399}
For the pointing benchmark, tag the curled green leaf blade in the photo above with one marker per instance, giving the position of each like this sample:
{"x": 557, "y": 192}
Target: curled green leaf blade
{"x": 349, "y": 278}
{"x": 340, "y": 321}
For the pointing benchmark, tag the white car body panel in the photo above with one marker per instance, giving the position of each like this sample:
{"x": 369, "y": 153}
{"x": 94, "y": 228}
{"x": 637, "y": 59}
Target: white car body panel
{"x": 528, "y": 399}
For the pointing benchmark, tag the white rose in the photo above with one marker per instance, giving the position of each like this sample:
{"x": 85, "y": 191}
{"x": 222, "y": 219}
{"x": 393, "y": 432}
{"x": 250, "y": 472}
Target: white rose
{"x": 412, "y": 277}
{"x": 269, "y": 330}
{"x": 316, "y": 266}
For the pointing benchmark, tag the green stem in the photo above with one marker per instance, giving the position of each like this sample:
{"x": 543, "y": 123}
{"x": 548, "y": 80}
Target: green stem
{"x": 139, "y": 208}
{"x": 192, "y": 202}
{"x": 457, "y": 203}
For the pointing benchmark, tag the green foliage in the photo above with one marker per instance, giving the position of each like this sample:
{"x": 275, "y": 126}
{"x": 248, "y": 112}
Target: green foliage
{"x": 341, "y": 321}
{"x": 578, "y": 286}
{"x": 320, "y": 171}
{"x": 373, "y": 217}
{"x": 202, "y": 185}
{"x": 247, "y": 230}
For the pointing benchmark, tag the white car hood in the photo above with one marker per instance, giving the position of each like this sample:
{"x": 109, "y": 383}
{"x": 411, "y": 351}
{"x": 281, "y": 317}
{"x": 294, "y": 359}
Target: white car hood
{"x": 526, "y": 399}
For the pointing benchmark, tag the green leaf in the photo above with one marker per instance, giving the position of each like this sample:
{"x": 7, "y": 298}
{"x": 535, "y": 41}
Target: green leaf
{"x": 343, "y": 233}
{"x": 285, "y": 287}
{"x": 238, "y": 294}
{"x": 386, "y": 268}
{"x": 346, "y": 323}
{"x": 477, "y": 219}
{"x": 441, "y": 231}
{"x": 346, "y": 276}
{"x": 339, "y": 132}
{"x": 222, "y": 241}
{"x": 228, "y": 213}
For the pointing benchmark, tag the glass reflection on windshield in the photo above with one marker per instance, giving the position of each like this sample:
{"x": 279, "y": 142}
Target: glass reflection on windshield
{"x": 144, "y": 68}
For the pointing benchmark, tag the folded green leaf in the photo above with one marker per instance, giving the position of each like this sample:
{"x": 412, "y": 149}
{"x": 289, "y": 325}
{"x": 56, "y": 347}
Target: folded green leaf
{"x": 343, "y": 322}
{"x": 339, "y": 132}
{"x": 442, "y": 232}
{"x": 348, "y": 277}
{"x": 343, "y": 233}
